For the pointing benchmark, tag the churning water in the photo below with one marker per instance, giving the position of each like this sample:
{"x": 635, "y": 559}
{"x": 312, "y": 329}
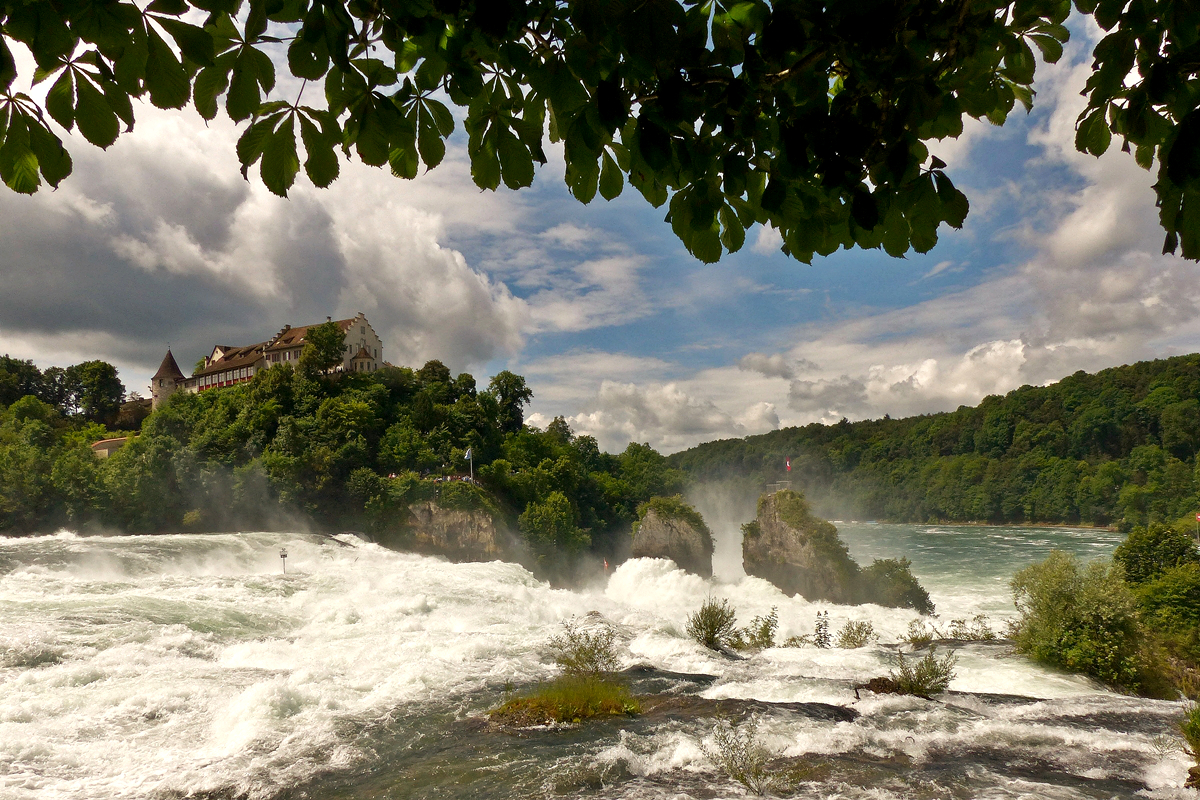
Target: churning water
{"x": 189, "y": 666}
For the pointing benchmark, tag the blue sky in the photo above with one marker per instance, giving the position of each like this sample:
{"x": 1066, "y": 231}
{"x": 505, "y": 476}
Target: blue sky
{"x": 615, "y": 326}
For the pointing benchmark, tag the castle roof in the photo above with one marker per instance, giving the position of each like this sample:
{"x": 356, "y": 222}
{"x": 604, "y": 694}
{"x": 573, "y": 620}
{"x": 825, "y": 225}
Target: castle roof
{"x": 291, "y": 337}
{"x": 168, "y": 369}
{"x": 233, "y": 358}
{"x": 362, "y": 355}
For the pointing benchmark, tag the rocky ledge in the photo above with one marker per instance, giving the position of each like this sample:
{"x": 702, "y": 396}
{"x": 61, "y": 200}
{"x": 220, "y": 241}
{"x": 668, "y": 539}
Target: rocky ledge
{"x": 661, "y": 535}
{"x": 459, "y": 535}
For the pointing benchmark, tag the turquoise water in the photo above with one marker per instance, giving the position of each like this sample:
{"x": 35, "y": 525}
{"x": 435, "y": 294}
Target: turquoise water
{"x": 188, "y": 666}
{"x": 968, "y": 567}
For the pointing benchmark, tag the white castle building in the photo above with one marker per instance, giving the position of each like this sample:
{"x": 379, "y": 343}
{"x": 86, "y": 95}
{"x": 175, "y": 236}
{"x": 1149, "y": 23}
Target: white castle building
{"x": 226, "y": 365}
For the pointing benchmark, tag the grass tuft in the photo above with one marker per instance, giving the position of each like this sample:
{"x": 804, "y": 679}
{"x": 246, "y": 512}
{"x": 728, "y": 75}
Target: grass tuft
{"x": 567, "y": 699}
{"x": 1189, "y": 726}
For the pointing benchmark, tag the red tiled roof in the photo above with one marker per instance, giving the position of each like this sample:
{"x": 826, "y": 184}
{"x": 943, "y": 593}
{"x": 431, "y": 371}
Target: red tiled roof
{"x": 294, "y": 337}
{"x": 234, "y": 358}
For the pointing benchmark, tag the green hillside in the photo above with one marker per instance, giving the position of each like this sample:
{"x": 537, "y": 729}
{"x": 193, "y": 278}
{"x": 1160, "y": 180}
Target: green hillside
{"x": 1117, "y": 447}
{"x": 296, "y": 448}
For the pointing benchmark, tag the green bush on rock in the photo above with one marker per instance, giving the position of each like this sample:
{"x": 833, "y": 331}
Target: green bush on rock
{"x": 714, "y": 624}
{"x": 924, "y": 678}
{"x": 1086, "y": 619}
{"x": 582, "y": 653}
{"x": 890, "y": 582}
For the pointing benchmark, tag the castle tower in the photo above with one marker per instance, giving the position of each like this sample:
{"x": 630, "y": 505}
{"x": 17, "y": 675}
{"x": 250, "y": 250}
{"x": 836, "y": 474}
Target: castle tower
{"x": 165, "y": 381}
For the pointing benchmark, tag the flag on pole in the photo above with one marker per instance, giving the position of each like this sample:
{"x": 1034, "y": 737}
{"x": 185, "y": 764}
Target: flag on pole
{"x": 789, "y": 469}
{"x": 467, "y": 454}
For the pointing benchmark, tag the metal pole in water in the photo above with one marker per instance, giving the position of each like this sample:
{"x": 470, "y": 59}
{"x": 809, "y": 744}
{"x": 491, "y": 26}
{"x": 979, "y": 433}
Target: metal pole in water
{"x": 283, "y": 559}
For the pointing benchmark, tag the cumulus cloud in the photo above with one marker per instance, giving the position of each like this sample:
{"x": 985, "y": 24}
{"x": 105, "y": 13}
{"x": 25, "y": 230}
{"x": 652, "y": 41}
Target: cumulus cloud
{"x": 775, "y": 366}
{"x": 160, "y": 240}
{"x": 664, "y": 415}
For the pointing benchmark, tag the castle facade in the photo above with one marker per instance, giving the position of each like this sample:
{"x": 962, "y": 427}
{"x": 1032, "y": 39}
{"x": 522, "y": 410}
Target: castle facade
{"x": 227, "y": 365}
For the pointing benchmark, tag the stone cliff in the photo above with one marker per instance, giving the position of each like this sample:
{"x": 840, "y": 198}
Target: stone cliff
{"x": 460, "y": 535}
{"x": 662, "y": 534}
{"x": 799, "y": 553}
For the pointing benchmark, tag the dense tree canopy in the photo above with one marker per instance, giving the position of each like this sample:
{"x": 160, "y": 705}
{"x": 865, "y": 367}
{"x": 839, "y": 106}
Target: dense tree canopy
{"x": 815, "y": 118}
{"x": 1118, "y": 446}
{"x": 351, "y": 450}
{"x": 90, "y": 389}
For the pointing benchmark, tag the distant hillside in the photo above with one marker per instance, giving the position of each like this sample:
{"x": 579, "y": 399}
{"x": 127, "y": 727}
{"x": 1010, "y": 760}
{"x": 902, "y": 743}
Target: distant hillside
{"x": 1115, "y": 447}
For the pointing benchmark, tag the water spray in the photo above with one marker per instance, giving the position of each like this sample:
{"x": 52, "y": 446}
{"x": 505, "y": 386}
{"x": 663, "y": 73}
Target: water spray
{"x": 283, "y": 559}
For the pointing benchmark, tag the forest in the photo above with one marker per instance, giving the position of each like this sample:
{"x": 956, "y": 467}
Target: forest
{"x": 1117, "y": 447}
{"x": 296, "y": 447}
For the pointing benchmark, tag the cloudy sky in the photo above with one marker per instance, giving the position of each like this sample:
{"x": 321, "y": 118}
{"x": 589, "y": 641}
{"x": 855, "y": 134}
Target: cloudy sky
{"x": 160, "y": 241}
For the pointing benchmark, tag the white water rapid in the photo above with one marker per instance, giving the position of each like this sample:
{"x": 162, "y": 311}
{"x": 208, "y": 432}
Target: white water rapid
{"x": 189, "y": 666}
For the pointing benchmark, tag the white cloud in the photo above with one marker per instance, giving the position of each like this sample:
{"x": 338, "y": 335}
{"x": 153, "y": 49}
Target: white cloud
{"x": 768, "y": 240}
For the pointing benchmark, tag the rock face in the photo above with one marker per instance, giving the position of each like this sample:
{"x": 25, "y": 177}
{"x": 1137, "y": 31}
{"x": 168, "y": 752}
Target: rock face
{"x": 459, "y": 535}
{"x": 799, "y": 553}
{"x": 661, "y": 536}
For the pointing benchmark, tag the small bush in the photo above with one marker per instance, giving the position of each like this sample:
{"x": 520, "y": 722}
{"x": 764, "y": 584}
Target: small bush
{"x": 760, "y": 633}
{"x": 584, "y": 654}
{"x": 568, "y": 699}
{"x": 804, "y": 640}
{"x": 739, "y": 753}
{"x": 919, "y": 634}
{"x": 978, "y": 630}
{"x": 926, "y": 677}
{"x": 821, "y": 631}
{"x": 856, "y": 634}
{"x": 713, "y": 625}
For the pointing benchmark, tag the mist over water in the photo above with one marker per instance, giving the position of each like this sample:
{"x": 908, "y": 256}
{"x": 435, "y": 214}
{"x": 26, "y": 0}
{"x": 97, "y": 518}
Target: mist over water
{"x": 177, "y": 666}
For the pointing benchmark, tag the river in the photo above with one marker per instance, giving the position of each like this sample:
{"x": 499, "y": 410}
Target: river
{"x": 190, "y": 666}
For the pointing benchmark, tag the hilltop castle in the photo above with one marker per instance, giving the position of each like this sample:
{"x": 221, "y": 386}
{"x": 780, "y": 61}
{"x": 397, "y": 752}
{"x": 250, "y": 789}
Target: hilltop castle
{"x": 227, "y": 365}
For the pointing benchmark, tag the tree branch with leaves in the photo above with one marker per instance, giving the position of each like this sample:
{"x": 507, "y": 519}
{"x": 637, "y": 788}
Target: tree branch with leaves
{"x": 816, "y": 119}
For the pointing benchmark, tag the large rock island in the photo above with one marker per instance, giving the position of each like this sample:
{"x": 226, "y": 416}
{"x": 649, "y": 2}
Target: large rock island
{"x": 670, "y": 528}
{"x": 803, "y": 554}
{"x": 799, "y": 553}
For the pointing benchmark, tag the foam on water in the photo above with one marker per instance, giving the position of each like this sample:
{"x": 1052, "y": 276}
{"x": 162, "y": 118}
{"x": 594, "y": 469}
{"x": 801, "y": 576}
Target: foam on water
{"x": 174, "y": 665}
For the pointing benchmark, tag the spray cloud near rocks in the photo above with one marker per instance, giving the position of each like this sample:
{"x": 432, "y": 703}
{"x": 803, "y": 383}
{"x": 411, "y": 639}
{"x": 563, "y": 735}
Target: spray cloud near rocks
{"x": 726, "y": 506}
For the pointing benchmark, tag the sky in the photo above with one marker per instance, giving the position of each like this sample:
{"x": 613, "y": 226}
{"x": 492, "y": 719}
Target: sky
{"x": 159, "y": 242}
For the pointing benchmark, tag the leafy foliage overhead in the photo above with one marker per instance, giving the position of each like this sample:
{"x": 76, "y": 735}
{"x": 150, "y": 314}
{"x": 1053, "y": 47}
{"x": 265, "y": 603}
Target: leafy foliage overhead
{"x": 813, "y": 118}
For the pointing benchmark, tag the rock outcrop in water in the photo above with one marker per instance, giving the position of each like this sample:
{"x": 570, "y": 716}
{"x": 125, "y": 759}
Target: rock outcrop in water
{"x": 799, "y": 553}
{"x": 458, "y": 534}
{"x": 670, "y": 528}
{"x": 802, "y": 554}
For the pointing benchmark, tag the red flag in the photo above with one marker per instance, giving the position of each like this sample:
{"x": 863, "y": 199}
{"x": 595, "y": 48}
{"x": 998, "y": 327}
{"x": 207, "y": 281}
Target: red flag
{"x": 789, "y": 469}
